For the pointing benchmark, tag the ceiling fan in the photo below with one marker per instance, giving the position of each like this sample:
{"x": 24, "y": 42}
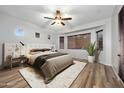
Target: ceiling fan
{"x": 58, "y": 19}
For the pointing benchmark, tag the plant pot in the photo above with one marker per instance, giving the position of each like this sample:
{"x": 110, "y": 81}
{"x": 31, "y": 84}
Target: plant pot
{"x": 91, "y": 59}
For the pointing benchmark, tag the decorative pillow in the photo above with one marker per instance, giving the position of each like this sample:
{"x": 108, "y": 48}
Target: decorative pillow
{"x": 33, "y": 53}
{"x": 42, "y": 50}
{"x": 46, "y": 49}
{"x": 54, "y": 66}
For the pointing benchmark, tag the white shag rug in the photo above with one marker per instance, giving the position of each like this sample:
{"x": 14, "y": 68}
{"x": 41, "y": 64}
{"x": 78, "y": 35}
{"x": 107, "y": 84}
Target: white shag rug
{"x": 62, "y": 80}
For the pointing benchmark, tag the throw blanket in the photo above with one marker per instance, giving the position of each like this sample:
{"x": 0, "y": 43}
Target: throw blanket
{"x": 42, "y": 59}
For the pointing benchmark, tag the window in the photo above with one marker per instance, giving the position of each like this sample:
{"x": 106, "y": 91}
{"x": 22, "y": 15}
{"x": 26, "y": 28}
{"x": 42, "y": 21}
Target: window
{"x": 19, "y": 32}
{"x": 61, "y": 40}
{"x": 79, "y": 41}
{"x": 100, "y": 39}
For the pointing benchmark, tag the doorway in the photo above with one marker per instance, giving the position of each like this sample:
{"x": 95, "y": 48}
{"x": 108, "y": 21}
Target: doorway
{"x": 121, "y": 31}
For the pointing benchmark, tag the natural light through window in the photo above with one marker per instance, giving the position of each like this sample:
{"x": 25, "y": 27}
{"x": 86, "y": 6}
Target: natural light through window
{"x": 19, "y": 32}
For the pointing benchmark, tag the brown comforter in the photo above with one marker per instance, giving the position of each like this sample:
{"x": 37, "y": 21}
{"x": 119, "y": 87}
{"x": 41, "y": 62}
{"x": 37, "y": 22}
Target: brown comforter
{"x": 40, "y": 60}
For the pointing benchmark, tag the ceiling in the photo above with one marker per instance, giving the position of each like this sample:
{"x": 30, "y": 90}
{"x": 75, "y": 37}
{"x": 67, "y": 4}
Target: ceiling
{"x": 81, "y": 14}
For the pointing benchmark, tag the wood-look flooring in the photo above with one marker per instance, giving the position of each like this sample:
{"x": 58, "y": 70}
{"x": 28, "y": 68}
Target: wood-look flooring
{"x": 12, "y": 79}
{"x": 94, "y": 75}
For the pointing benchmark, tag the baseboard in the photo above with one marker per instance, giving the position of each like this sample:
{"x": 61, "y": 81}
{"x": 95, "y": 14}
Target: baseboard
{"x": 118, "y": 76}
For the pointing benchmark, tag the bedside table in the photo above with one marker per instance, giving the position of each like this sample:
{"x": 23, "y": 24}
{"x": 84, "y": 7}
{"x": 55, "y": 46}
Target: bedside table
{"x": 18, "y": 61}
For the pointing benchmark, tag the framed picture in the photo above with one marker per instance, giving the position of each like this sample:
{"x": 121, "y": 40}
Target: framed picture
{"x": 37, "y": 35}
{"x": 49, "y": 37}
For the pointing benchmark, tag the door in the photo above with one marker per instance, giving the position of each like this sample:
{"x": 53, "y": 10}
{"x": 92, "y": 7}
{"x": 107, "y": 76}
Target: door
{"x": 121, "y": 29}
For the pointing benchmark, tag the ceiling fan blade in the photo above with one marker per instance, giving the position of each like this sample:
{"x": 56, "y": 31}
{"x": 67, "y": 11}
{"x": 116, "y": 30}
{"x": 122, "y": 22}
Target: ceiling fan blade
{"x": 49, "y": 18}
{"x": 69, "y": 18}
{"x": 62, "y": 23}
{"x": 53, "y": 23}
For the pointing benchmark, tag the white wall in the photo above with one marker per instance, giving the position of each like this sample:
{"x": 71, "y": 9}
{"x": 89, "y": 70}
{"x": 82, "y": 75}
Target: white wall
{"x": 115, "y": 39}
{"x": 106, "y": 56}
{"x": 8, "y": 25}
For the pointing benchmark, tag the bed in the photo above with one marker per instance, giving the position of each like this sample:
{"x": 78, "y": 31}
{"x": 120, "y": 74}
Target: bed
{"x": 48, "y": 62}
{"x": 49, "y": 68}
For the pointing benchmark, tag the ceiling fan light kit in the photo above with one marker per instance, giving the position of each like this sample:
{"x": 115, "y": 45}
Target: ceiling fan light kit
{"x": 58, "y": 19}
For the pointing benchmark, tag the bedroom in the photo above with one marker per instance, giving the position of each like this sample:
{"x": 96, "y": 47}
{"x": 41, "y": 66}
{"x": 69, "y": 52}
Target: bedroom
{"x": 60, "y": 34}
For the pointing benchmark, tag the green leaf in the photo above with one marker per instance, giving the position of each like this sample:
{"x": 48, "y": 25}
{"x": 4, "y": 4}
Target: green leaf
{"x": 91, "y": 49}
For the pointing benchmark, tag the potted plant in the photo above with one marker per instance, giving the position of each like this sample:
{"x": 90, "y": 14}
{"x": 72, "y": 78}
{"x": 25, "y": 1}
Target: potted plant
{"x": 91, "y": 50}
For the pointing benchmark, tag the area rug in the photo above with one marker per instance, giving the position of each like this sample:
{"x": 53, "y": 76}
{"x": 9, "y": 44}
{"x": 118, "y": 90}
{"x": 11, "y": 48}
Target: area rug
{"x": 62, "y": 80}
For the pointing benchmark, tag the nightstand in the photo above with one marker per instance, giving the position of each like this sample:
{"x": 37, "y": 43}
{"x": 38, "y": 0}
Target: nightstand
{"x": 18, "y": 60}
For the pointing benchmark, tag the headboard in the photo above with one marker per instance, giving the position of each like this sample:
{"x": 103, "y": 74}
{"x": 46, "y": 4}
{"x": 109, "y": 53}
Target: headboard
{"x": 38, "y": 46}
{"x": 16, "y": 49}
